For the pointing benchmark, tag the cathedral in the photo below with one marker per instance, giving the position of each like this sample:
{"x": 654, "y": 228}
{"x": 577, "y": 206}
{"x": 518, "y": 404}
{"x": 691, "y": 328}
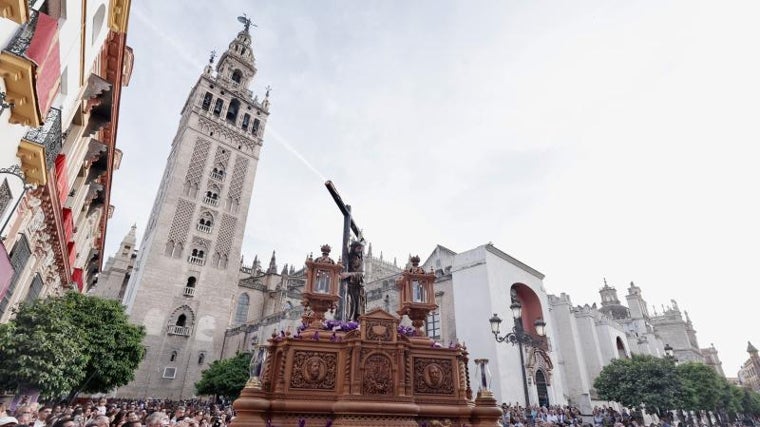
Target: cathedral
{"x": 189, "y": 287}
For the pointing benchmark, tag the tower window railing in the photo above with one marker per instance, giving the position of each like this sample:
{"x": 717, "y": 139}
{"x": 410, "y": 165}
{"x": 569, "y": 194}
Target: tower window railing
{"x": 211, "y": 201}
{"x": 189, "y": 292}
{"x": 179, "y": 330}
{"x": 197, "y": 260}
{"x": 203, "y": 228}
{"x": 217, "y": 174}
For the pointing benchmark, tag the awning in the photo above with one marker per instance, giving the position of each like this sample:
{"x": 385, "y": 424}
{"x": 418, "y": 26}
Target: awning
{"x": 61, "y": 178}
{"x": 44, "y": 51}
{"x": 6, "y": 271}
{"x": 77, "y": 277}
{"x": 68, "y": 224}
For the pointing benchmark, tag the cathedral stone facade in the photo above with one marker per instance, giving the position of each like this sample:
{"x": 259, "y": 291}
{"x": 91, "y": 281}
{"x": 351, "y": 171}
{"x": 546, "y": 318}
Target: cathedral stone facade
{"x": 186, "y": 274}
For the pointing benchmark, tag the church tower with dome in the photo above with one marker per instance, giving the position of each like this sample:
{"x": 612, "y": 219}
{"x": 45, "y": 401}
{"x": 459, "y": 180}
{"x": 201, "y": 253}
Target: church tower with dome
{"x": 186, "y": 275}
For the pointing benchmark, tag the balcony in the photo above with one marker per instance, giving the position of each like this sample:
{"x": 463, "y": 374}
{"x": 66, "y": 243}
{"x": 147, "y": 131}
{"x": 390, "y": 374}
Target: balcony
{"x": 39, "y": 148}
{"x": 217, "y": 175}
{"x": 203, "y": 228}
{"x": 189, "y": 292}
{"x": 31, "y": 68}
{"x": 196, "y": 260}
{"x": 179, "y": 330}
{"x": 210, "y": 201}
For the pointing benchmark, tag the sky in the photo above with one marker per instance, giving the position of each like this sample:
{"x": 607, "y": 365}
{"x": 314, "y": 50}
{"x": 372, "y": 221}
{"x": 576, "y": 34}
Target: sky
{"x": 589, "y": 139}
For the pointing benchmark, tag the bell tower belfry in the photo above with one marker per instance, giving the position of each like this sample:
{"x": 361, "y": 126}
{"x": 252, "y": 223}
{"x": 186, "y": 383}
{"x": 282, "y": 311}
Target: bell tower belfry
{"x": 185, "y": 280}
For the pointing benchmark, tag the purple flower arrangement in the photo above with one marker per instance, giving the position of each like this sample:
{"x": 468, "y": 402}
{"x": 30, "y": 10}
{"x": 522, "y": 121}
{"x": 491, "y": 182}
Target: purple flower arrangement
{"x": 408, "y": 331}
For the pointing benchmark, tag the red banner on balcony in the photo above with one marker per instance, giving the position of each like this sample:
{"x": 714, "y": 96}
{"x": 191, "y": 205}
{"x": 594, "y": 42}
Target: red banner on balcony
{"x": 44, "y": 51}
{"x": 68, "y": 224}
{"x": 6, "y": 271}
{"x": 72, "y": 250}
{"x": 61, "y": 179}
{"x": 77, "y": 277}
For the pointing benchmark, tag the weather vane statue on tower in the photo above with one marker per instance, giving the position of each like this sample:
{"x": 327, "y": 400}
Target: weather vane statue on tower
{"x": 246, "y": 21}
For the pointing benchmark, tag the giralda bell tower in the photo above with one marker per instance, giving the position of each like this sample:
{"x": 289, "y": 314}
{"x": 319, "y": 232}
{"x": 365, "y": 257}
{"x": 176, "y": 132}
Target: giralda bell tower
{"x": 186, "y": 275}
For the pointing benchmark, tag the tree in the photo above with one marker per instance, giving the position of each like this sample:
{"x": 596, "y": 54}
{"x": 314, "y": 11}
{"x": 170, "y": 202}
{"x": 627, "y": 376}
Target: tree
{"x": 69, "y": 344}
{"x": 113, "y": 344}
{"x": 699, "y": 386}
{"x": 225, "y": 377}
{"x": 642, "y": 379}
{"x": 41, "y": 350}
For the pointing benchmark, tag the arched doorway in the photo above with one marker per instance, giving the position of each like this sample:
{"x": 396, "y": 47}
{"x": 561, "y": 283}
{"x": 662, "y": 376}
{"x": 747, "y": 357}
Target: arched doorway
{"x": 541, "y": 388}
{"x": 622, "y": 354}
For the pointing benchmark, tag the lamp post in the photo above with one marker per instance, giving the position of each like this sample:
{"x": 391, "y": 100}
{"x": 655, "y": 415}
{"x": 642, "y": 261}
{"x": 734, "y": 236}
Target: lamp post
{"x": 518, "y": 336}
{"x": 670, "y": 353}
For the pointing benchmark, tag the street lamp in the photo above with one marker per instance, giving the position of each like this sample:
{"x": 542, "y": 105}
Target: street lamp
{"x": 518, "y": 336}
{"x": 670, "y": 354}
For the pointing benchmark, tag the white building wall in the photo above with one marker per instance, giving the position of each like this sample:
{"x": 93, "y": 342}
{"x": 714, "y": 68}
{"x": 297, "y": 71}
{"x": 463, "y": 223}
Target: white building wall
{"x": 482, "y": 279}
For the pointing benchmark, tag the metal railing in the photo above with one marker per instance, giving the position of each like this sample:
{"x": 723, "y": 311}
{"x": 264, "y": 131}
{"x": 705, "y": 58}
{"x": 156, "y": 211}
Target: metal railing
{"x": 210, "y": 201}
{"x": 196, "y": 260}
{"x": 203, "y": 228}
{"x": 217, "y": 175}
{"x": 189, "y": 292}
{"x": 49, "y": 136}
{"x": 179, "y": 330}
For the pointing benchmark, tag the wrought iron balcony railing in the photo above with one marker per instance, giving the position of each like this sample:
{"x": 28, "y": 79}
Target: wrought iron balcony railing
{"x": 40, "y": 147}
{"x": 179, "y": 330}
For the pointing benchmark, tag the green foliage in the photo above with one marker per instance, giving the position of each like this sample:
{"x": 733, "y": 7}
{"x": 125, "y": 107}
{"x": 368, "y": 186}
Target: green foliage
{"x": 113, "y": 344}
{"x": 699, "y": 384}
{"x": 71, "y": 343}
{"x": 41, "y": 350}
{"x": 225, "y": 377}
{"x": 639, "y": 380}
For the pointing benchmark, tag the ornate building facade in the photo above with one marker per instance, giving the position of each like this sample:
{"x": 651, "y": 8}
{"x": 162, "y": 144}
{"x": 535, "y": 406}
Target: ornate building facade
{"x": 62, "y": 68}
{"x": 186, "y": 273}
{"x": 749, "y": 373}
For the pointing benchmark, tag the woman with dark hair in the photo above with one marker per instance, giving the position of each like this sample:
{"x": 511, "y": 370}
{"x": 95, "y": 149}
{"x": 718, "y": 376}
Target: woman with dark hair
{"x": 64, "y": 422}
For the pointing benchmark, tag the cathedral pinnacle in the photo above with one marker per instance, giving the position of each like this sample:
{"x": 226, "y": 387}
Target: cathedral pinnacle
{"x": 751, "y": 348}
{"x": 272, "y": 265}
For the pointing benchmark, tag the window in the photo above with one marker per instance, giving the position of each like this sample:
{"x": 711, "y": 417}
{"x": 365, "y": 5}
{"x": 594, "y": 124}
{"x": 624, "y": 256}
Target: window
{"x": 217, "y": 172}
{"x": 201, "y": 358}
{"x": 433, "y": 325}
{"x": 246, "y": 120}
{"x": 36, "y": 289}
{"x": 5, "y": 196}
{"x": 232, "y": 111}
{"x": 236, "y": 76}
{"x": 19, "y": 256}
{"x": 212, "y": 198}
{"x": 97, "y": 22}
{"x": 207, "y": 101}
{"x": 173, "y": 356}
{"x": 218, "y": 107}
{"x": 241, "y": 314}
{"x": 191, "y": 282}
{"x": 256, "y": 124}
{"x": 170, "y": 373}
{"x": 181, "y": 321}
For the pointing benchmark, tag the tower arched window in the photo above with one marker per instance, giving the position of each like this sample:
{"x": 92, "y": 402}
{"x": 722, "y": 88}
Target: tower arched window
{"x": 218, "y": 107}
{"x": 197, "y": 257}
{"x": 191, "y": 282}
{"x": 217, "y": 172}
{"x": 237, "y": 76}
{"x": 201, "y": 358}
{"x": 181, "y": 320}
{"x": 207, "y": 101}
{"x": 256, "y": 124}
{"x": 232, "y": 111}
{"x": 205, "y": 223}
{"x": 212, "y": 198}
{"x": 173, "y": 356}
{"x": 241, "y": 313}
{"x": 246, "y": 121}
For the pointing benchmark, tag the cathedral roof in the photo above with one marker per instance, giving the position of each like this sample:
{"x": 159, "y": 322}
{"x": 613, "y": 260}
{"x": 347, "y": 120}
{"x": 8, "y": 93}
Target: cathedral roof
{"x": 751, "y": 348}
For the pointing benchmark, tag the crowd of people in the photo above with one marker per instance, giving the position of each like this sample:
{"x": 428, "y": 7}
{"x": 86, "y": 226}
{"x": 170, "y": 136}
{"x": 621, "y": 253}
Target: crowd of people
{"x": 119, "y": 413}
